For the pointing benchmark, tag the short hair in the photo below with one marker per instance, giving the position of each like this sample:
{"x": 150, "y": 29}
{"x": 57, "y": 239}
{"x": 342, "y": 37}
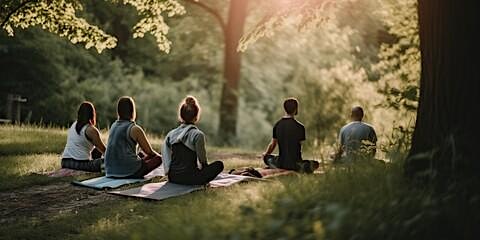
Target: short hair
{"x": 126, "y": 108}
{"x": 357, "y": 111}
{"x": 189, "y": 110}
{"x": 290, "y": 105}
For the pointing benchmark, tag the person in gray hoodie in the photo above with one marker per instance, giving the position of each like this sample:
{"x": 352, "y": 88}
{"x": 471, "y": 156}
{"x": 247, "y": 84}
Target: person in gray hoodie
{"x": 184, "y": 154}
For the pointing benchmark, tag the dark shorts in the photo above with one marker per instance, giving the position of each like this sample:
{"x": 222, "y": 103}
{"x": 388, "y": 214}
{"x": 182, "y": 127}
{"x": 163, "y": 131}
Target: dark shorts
{"x": 304, "y": 166}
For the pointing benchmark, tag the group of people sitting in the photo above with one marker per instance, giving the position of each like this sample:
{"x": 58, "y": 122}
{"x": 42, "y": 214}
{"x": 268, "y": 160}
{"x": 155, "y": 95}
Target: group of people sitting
{"x": 184, "y": 146}
{"x": 356, "y": 139}
{"x": 184, "y": 155}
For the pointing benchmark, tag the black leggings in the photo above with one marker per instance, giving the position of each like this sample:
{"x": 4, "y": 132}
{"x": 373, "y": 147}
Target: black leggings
{"x": 94, "y": 165}
{"x": 83, "y": 165}
{"x": 199, "y": 176}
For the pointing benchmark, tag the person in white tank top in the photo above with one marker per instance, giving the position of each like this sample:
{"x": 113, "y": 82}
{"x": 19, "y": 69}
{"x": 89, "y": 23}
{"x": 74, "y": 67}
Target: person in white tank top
{"x": 84, "y": 146}
{"x": 78, "y": 146}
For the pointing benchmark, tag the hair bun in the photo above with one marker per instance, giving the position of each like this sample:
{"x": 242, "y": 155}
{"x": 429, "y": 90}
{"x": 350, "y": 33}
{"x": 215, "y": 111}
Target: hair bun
{"x": 190, "y": 100}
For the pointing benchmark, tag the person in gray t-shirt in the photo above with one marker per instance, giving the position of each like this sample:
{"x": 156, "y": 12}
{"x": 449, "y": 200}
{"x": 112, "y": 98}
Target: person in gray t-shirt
{"x": 356, "y": 138}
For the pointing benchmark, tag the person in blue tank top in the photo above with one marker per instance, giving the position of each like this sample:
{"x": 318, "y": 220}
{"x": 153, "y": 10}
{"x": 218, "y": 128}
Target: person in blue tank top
{"x": 121, "y": 157}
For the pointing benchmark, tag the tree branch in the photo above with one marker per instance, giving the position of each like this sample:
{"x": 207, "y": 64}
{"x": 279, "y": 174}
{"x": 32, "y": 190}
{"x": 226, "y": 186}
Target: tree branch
{"x": 212, "y": 11}
{"x": 23, "y": 4}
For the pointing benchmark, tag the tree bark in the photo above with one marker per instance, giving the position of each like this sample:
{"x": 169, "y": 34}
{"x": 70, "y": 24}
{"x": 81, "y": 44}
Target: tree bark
{"x": 232, "y": 62}
{"x": 445, "y": 140}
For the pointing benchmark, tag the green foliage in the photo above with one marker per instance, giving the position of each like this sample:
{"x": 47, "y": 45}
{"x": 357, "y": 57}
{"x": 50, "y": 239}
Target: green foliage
{"x": 399, "y": 65}
{"x": 68, "y": 74}
{"x": 59, "y": 17}
{"x": 36, "y": 58}
{"x": 368, "y": 201}
{"x": 398, "y": 143}
{"x": 153, "y": 21}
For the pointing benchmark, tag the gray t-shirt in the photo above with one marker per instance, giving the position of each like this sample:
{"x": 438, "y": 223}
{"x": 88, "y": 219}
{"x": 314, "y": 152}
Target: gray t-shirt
{"x": 357, "y": 137}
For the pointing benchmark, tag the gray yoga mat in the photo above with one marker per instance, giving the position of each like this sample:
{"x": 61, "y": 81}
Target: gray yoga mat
{"x": 164, "y": 190}
{"x": 111, "y": 183}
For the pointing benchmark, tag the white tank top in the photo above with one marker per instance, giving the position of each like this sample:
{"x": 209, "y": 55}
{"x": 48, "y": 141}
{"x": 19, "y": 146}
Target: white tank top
{"x": 78, "y": 146}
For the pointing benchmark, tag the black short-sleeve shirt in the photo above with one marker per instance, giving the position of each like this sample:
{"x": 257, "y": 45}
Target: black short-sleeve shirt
{"x": 289, "y": 134}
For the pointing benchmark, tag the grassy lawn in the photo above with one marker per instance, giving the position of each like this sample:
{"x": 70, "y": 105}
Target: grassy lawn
{"x": 363, "y": 201}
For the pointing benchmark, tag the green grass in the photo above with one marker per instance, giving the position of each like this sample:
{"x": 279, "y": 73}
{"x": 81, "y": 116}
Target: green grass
{"x": 31, "y": 139}
{"x": 367, "y": 200}
{"x": 25, "y": 170}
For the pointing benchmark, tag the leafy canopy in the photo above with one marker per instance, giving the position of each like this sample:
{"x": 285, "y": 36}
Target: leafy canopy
{"x": 60, "y": 17}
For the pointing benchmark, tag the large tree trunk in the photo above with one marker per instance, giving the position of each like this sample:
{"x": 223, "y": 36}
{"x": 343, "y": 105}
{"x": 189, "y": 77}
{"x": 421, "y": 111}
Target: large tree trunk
{"x": 447, "y": 131}
{"x": 229, "y": 99}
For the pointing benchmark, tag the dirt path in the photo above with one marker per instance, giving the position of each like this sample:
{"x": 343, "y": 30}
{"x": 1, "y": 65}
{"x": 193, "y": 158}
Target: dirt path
{"x": 45, "y": 201}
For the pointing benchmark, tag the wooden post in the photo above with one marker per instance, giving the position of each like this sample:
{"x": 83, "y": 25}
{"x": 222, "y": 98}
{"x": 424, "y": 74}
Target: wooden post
{"x": 17, "y": 100}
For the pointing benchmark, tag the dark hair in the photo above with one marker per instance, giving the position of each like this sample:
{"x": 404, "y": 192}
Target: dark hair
{"x": 189, "y": 110}
{"x": 290, "y": 105}
{"x": 85, "y": 115}
{"x": 357, "y": 111}
{"x": 126, "y": 108}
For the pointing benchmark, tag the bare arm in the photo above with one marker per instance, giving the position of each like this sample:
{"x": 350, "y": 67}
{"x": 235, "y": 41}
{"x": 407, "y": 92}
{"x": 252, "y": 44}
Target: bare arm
{"x": 271, "y": 147}
{"x": 94, "y": 135}
{"x": 137, "y": 134}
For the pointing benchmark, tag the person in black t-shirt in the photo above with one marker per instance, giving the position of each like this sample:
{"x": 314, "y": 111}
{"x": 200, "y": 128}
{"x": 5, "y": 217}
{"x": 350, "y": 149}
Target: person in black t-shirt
{"x": 288, "y": 133}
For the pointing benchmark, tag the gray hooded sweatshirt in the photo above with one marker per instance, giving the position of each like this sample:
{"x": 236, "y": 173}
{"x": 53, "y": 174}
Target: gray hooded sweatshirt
{"x": 191, "y": 137}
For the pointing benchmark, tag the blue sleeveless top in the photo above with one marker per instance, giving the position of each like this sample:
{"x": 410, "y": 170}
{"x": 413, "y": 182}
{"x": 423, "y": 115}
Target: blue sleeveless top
{"x": 121, "y": 159}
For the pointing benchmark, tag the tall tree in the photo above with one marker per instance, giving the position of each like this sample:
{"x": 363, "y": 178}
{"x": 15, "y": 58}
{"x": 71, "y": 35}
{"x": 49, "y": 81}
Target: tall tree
{"x": 232, "y": 62}
{"x": 444, "y": 140}
{"x": 232, "y": 33}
